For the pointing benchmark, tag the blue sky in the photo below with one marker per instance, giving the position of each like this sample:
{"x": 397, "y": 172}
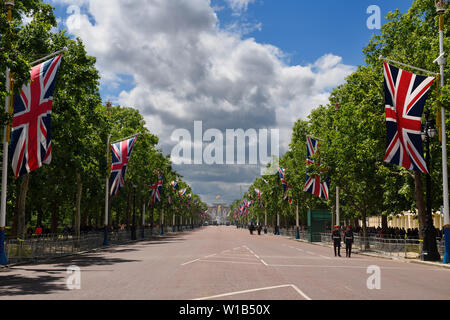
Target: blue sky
{"x": 307, "y": 29}
{"x": 232, "y": 64}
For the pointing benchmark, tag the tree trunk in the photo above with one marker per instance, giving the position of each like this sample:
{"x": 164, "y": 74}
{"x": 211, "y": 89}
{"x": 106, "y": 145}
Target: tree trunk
{"x": 420, "y": 202}
{"x": 364, "y": 228}
{"x": 84, "y": 217}
{"x": 55, "y": 216}
{"x": 128, "y": 211}
{"x": 21, "y": 202}
{"x": 384, "y": 222}
{"x": 78, "y": 205}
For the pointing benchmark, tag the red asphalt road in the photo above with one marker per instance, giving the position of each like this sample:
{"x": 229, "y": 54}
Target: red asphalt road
{"x": 223, "y": 263}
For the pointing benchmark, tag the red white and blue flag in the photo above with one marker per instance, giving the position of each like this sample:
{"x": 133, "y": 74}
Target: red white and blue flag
{"x": 31, "y": 143}
{"x": 174, "y": 185}
{"x": 121, "y": 153}
{"x": 282, "y": 174}
{"x": 182, "y": 192}
{"x": 405, "y": 96}
{"x": 314, "y": 184}
{"x": 259, "y": 194}
{"x": 156, "y": 190}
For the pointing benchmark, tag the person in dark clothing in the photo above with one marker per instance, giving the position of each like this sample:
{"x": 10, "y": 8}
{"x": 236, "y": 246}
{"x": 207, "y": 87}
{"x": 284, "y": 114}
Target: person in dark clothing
{"x": 336, "y": 238}
{"x": 251, "y": 228}
{"x": 348, "y": 239}
{"x": 259, "y": 229}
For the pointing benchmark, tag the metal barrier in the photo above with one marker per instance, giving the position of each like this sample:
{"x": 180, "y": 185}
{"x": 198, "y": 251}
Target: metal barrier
{"x": 405, "y": 248}
{"x": 27, "y": 251}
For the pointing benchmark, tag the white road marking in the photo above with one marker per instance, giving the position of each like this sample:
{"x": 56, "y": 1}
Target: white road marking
{"x": 257, "y": 257}
{"x": 186, "y": 263}
{"x": 327, "y": 266}
{"x": 233, "y": 262}
{"x": 256, "y": 290}
{"x": 328, "y": 258}
{"x": 211, "y": 255}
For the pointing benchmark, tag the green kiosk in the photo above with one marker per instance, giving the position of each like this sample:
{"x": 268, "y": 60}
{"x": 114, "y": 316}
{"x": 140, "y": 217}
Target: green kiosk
{"x": 319, "y": 221}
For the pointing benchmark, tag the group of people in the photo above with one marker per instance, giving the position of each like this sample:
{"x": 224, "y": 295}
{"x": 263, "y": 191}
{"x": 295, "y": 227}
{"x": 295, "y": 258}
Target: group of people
{"x": 258, "y": 228}
{"x": 336, "y": 238}
{"x": 399, "y": 233}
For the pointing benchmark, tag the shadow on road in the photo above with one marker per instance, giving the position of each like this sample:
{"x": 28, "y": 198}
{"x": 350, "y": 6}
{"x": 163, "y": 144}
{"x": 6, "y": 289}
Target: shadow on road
{"x": 38, "y": 281}
{"x": 18, "y": 285}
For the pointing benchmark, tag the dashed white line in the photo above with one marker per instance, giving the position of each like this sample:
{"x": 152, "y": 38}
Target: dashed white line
{"x": 256, "y": 290}
{"x": 232, "y": 262}
{"x": 186, "y": 263}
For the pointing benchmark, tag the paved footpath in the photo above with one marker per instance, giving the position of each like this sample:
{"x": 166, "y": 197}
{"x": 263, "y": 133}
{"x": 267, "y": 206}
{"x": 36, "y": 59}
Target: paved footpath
{"x": 223, "y": 263}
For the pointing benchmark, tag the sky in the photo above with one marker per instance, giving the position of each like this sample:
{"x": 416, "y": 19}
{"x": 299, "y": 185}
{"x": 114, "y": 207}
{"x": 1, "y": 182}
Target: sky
{"x": 232, "y": 64}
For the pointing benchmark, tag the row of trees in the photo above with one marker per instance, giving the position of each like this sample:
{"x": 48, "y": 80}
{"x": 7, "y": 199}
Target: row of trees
{"x": 352, "y": 127}
{"x": 71, "y": 191}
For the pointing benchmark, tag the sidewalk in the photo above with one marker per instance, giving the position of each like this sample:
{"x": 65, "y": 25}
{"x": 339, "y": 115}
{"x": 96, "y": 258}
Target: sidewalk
{"x": 378, "y": 255}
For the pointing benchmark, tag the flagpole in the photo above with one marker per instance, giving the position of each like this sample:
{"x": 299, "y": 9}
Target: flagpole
{"x": 3, "y": 259}
{"x": 408, "y": 66}
{"x": 297, "y": 222}
{"x": 105, "y": 240}
{"x": 49, "y": 56}
{"x": 338, "y": 208}
{"x": 441, "y": 8}
{"x": 127, "y": 138}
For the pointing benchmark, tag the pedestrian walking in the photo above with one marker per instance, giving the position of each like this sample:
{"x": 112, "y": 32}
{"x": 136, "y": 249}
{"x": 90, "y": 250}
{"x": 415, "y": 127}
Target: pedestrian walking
{"x": 336, "y": 239}
{"x": 348, "y": 239}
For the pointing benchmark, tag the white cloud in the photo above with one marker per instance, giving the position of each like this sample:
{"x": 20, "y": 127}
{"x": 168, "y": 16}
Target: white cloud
{"x": 186, "y": 68}
{"x": 239, "y": 6}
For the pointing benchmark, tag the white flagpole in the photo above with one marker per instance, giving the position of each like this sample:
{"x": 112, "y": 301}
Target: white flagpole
{"x": 338, "y": 209}
{"x": 105, "y": 241}
{"x": 441, "y": 61}
{"x": 3, "y": 259}
{"x": 48, "y": 57}
{"x": 407, "y": 65}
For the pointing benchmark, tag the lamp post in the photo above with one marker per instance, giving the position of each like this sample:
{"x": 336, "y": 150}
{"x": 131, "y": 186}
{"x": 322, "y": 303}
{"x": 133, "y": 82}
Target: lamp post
{"x": 429, "y": 248}
{"x": 441, "y": 7}
{"x": 3, "y": 259}
{"x": 108, "y": 147}
{"x": 133, "y": 228}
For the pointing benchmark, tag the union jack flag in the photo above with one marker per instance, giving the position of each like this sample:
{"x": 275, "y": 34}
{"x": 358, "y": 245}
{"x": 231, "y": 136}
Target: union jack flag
{"x": 317, "y": 187}
{"x": 314, "y": 184}
{"x": 182, "y": 192}
{"x": 259, "y": 194}
{"x": 156, "y": 190}
{"x": 282, "y": 174}
{"x": 121, "y": 153}
{"x": 405, "y": 95}
{"x": 311, "y": 149}
{"x": 174, "y": 185}
{"x": 31, "y": 143}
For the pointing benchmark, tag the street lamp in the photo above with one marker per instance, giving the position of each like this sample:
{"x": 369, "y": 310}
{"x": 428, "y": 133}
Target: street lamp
{"x": 133, "y": 229}
{"x": 105, "y": 240}
{"x": 441, "y": 6}
{"x": 429, "y": 248}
